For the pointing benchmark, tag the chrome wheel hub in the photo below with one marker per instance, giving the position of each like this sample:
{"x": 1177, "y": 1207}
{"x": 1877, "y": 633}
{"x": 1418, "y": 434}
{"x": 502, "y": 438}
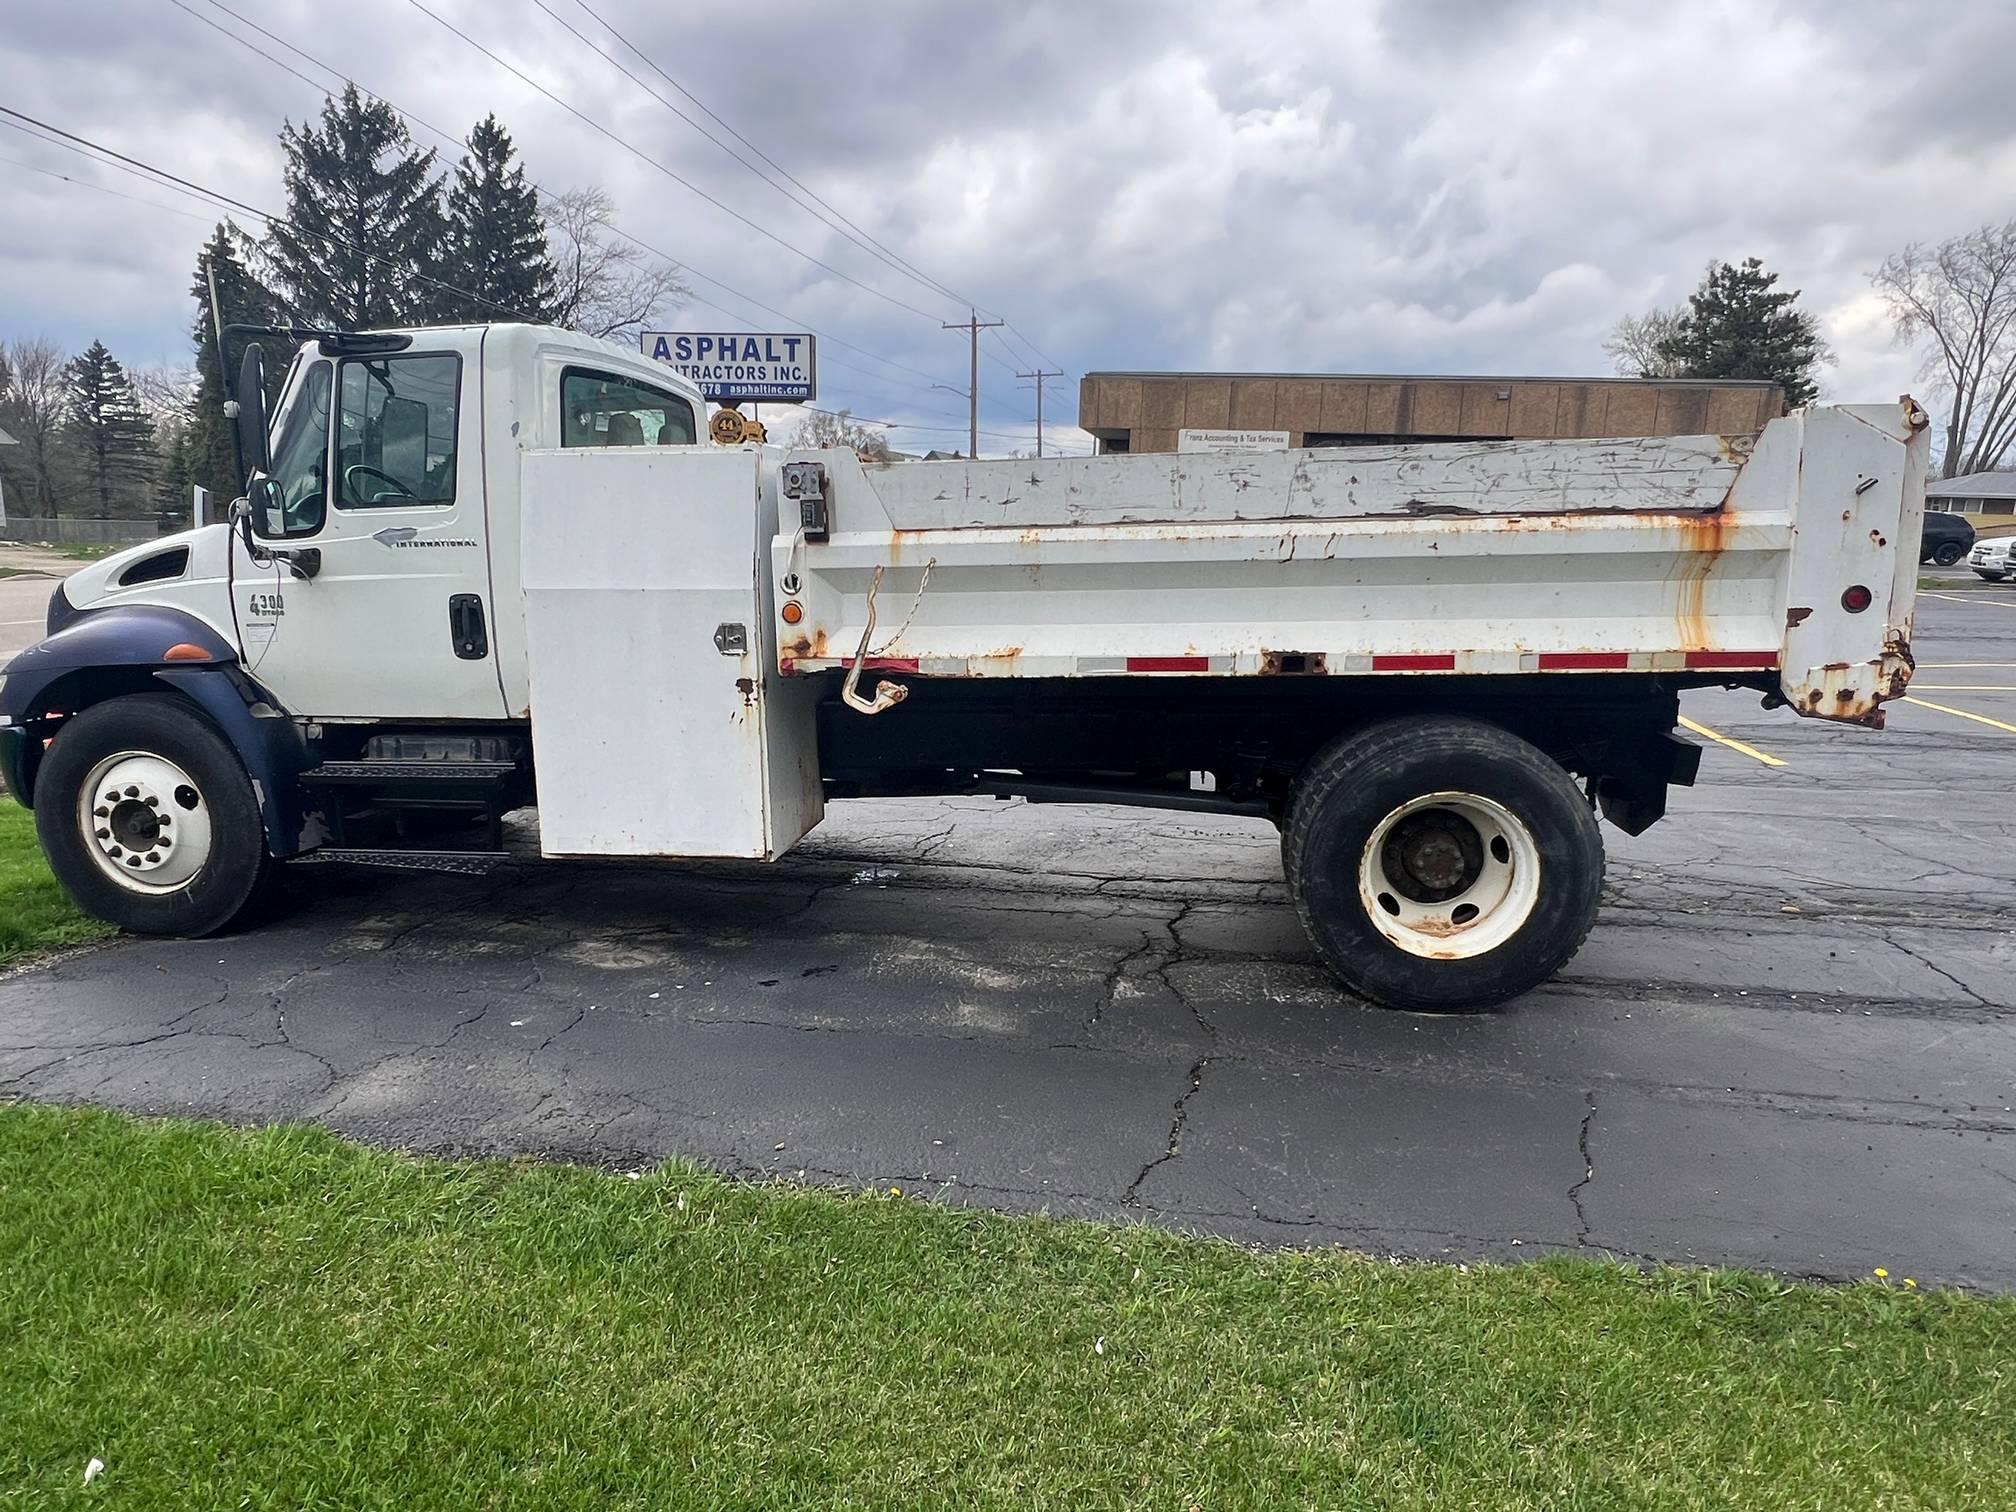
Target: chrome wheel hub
{"x": 145, "y": 822}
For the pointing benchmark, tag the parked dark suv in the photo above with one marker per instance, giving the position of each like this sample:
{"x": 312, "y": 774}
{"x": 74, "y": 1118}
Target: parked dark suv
{"x": 1946, "y": 539}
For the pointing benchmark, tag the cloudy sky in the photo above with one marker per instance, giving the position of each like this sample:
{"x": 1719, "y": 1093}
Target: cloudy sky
{"x": 1341, "y": 185}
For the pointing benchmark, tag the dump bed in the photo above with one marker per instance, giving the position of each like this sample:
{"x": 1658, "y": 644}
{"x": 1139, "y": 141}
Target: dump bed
{"x": 1790, "y": 553}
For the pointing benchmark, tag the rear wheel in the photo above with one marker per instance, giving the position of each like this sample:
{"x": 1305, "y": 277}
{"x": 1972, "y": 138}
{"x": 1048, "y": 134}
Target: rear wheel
{"x": 1442, "y": 864}
{"x": 1946, "y": 553}
{"x": 149, "y": 820}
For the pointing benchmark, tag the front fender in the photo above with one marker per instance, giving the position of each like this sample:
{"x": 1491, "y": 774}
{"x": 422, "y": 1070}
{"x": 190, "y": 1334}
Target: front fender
{"x": 125, "y": 649}
{"x": 121, "y": 635}
{"x": 94, "y": 654}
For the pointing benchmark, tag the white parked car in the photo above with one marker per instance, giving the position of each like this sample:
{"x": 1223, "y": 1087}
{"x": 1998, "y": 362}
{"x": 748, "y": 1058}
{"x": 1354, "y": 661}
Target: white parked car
{"x": 1990, "y": 559}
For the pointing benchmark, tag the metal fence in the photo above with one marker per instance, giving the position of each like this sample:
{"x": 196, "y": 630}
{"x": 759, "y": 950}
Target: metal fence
{"x": 77, "y": 532}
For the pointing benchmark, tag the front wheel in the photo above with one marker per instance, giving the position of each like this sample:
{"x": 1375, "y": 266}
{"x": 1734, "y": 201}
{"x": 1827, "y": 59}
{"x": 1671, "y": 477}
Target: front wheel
{"x": 1442, "y": 864}
{"x": 1989, "y": 577}
{"x": 148, "y": 818}
{"x": 1946, "y": 553}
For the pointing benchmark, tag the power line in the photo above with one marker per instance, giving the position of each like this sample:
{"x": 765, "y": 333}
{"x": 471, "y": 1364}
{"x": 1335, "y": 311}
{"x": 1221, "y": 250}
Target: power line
{"x": 676, "y": 177}
{"x": 547, "y": 195}
{"x": 831, "y": 219}
{"x": 86, "y": 183}
{"x": 77, "y": 144}
{"x": 685, "y": 183}
{"x": 895, "y": 258}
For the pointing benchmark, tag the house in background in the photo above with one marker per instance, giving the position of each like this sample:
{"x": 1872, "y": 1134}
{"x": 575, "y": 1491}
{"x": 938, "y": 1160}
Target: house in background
{"x": 1989, "y": 498}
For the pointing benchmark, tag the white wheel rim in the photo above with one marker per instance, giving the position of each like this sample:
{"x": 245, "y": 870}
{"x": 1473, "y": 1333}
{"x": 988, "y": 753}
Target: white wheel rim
{"x": 1449, "y": 876}
{"x": 145, "y": 822}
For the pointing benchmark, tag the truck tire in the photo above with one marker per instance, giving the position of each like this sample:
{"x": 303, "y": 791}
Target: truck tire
{"x": 149, "y": 820}
{"x": 1946, "y": 553}
{"x": 1441, "y": 864}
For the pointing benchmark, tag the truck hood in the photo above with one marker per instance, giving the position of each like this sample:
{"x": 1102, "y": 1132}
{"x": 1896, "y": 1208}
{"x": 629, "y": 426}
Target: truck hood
{"x": 126, "y": 576}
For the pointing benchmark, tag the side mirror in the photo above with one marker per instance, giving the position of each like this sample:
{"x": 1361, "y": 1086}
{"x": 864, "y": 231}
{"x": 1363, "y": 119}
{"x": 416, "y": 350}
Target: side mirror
{"x": 267, "y": 507}
{"x": 251, "y": 417}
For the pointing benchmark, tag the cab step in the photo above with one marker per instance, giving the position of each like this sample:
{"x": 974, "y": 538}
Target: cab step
{"x": 461, "y": 863}
{"x": 393, "y": 773}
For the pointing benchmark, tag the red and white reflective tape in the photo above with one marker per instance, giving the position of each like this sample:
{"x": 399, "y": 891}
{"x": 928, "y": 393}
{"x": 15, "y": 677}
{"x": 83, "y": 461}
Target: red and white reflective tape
{"x": 1496, "y": 663}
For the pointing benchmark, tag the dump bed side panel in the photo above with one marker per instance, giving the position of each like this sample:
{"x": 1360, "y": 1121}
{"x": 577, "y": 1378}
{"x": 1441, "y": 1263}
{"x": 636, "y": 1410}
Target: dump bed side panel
{"x": 1674, "y": 555}
{"x": 1655, "y": 474}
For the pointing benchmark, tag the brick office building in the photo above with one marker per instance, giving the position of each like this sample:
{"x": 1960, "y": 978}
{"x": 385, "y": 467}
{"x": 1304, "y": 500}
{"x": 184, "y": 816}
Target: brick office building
{"x": 1143, "y": 412}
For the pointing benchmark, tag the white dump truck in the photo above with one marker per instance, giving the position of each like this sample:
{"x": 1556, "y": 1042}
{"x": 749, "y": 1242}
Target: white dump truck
{"x": 482, "y": 569}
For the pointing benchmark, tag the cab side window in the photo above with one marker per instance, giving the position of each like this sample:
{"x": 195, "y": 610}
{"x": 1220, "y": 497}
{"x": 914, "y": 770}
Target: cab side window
{"x": 395, "y": 438}
{"x": 599, "y": 410}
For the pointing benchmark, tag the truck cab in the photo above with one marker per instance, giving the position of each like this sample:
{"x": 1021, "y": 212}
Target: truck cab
{"x": 389, "y": 586}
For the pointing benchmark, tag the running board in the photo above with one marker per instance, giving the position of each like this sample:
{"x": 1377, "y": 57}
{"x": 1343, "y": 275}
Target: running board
{"x": 461, "y": 863}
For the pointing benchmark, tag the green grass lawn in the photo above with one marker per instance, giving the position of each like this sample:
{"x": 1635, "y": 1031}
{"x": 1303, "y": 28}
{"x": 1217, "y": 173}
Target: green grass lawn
{"x": 34, "y": 914}
{"x": 280, "y": 1319}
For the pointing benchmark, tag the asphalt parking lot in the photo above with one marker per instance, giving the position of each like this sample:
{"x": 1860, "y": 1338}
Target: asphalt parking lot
{"x": 24, "y": 601}
{"x": 1787, "y": 1044}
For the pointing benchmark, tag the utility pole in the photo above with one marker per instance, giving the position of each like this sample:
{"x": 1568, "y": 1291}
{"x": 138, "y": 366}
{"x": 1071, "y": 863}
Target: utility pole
{"x": 1039, "y": 375}
{"x": 973, "y": 327}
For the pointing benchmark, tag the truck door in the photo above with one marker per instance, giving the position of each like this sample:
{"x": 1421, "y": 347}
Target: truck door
{"x": 377, "y": 459}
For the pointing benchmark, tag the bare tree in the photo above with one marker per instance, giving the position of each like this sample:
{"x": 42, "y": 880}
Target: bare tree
{"x": 1635, "y": 343}
{"x": 606, "y": 286}
{"x": 33, "y": 410}
{"x": 167, "y": 391}
{"x": 834, "y": 428}
{"x": 1961, "y": 294}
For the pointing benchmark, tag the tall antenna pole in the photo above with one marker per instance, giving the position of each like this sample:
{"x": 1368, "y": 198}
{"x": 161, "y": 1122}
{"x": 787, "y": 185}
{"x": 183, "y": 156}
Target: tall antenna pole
{"x": 973, "y": 327}
{"x": 1039, "y": 375}
{"x": 223, "y": 371}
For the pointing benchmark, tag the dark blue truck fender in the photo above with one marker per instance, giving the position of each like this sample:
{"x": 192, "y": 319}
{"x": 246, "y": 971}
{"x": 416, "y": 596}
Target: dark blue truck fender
{"x": 132, "y": 648}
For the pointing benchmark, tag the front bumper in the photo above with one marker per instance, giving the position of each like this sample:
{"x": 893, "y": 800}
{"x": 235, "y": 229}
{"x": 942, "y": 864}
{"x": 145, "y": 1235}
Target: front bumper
{"x": 14, "y": 762}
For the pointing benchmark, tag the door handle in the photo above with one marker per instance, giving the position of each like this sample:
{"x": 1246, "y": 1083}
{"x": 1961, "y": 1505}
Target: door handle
{"x": 465, "y": 627}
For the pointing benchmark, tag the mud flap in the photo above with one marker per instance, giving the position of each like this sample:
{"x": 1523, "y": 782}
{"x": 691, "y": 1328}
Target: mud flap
{"x": 1632, "y": 795}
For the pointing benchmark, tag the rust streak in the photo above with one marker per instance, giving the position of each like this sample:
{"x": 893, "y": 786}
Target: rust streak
{"x": 1706, "y": 537}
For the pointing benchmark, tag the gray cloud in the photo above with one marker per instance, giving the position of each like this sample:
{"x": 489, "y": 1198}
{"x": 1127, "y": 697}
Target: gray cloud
{"x": 1413, "y": 185}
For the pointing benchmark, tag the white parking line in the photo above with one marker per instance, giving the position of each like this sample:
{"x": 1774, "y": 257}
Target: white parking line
{"x": 1955, "y": 598}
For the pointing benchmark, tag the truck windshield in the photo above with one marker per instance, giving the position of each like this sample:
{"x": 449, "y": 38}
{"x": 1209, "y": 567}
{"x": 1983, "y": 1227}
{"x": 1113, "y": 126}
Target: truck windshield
{"x": 300, "y": 453}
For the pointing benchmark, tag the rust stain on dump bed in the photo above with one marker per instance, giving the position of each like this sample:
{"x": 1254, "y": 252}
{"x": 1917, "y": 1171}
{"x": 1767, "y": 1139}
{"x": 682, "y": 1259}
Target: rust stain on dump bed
{"x": 1704, "y": 537}
{"x": 807, "y": 647}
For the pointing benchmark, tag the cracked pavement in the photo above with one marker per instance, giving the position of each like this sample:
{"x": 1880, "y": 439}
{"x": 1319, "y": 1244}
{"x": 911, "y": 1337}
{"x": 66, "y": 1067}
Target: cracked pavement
{"x": 1787, "y": 1044}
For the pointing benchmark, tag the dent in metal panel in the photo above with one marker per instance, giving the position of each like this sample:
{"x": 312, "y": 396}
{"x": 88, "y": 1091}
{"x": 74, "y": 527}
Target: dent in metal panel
{"x": 1633, "y": 474}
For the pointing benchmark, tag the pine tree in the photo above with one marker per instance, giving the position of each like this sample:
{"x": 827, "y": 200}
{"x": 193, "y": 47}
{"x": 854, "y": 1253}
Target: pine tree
{"x": 111, "y": 431}
{"x": 495, "y": 242}
{"x": 205, "y": 456}
{"x": 363, "y": 228}
{"x": 1739, "y": 325}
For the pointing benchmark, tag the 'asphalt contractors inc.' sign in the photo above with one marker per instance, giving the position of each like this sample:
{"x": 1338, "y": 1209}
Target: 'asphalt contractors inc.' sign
{"x": 729, "y": 367}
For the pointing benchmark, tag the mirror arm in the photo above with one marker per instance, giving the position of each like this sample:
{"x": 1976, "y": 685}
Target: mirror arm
{"x": 302, "y": 564}
{"x": 241, "y": 516}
